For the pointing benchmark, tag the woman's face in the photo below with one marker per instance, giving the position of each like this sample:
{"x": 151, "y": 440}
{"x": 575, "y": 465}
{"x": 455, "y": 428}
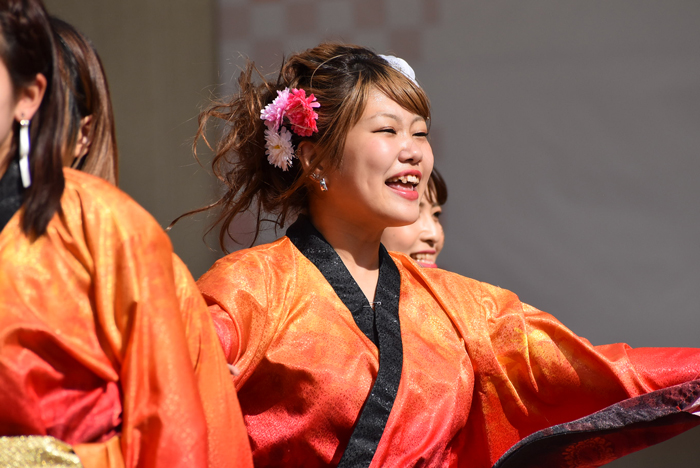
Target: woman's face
{"x": 385, "y": 167}
{"x": 422, "y": 240}
{"x": 7, "y": 115}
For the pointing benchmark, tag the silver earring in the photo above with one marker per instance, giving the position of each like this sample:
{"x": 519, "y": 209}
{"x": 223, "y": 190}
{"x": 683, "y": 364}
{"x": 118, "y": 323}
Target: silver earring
{"x": 24, "y": 153}
{"x": 321, "y": 181}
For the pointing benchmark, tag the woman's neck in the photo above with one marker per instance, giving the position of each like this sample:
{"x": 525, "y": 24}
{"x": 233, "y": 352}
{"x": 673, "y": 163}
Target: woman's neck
{"x": 356, "y": 243}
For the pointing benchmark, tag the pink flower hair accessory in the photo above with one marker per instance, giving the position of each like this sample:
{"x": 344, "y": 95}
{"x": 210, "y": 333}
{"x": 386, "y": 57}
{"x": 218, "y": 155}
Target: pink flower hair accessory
{"x": 299, "y": 111}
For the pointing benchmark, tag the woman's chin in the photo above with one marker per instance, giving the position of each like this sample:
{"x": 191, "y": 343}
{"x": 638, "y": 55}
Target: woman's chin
{"x": 401, "y": 219}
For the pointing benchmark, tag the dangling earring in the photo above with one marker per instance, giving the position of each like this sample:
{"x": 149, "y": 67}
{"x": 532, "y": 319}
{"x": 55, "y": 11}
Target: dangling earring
{"x": 321, "y": 182}
{"x": 24, "y": 153}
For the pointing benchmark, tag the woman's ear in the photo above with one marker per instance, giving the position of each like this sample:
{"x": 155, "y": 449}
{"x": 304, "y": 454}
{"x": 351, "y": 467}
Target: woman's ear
{"x": 29, "y": 98}
{"x": 306, "y": 152}
{"x": 84, "y": 140}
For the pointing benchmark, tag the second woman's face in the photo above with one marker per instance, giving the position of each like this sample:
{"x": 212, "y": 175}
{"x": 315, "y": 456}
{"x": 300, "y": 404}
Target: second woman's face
{"x": 385, "y": 166}
{"x": 422, "y": 240}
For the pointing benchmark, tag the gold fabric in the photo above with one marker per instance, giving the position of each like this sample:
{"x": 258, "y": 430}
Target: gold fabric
{"x": 103, "y": 333}
{"x": 36, "y": 452}
{"x": 481, "y": 370}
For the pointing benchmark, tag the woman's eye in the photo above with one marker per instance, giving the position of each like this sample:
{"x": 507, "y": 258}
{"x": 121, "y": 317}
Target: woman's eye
{"x": 421, "y": 134}
{"x": 437, "y": 214}
{"x": 386, "y": 130}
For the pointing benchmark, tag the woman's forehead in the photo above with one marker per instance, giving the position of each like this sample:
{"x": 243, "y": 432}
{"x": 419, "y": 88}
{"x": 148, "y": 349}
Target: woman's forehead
{"x": 380, "y": 105}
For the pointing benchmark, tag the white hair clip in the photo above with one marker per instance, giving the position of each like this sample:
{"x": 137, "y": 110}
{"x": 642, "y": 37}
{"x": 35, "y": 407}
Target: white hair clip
{"x": 402, "y": 66}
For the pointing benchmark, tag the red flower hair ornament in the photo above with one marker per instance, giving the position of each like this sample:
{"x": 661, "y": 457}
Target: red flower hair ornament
{"x": 298, "y": 109}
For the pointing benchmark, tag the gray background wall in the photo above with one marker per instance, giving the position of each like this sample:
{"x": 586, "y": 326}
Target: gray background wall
{"x": 567, "y": 133}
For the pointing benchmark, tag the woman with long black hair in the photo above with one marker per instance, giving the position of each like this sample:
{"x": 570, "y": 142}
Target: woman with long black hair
{"x": 105, "y": 343}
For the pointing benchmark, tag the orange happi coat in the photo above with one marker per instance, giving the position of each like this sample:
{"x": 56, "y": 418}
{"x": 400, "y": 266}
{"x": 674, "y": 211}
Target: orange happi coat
{"x": 106, "y": 343}
{"x": 480, "y": 369}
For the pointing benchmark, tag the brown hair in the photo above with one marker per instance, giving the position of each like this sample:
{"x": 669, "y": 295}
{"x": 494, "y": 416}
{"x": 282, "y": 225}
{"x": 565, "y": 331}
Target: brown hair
{"x": 27, "y": 49}
{"x": 437, "y": 189}
{"x": 341, "y": 77}
{"x": 86, "y": 94}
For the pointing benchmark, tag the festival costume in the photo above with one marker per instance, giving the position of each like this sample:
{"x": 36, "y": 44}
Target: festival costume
{"x": 445, "y": 371}
{"x": 105, "y": 341}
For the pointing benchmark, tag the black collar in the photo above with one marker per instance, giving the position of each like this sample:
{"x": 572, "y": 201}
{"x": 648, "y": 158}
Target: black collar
{"x": 381, "y": 325}
{"x": 11, "y": 193}
{"x": 316, "y": 249}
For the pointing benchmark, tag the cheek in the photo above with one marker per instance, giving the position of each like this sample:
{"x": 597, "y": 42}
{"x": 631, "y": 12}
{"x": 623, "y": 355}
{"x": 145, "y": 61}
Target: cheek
{"x": 5, "y": 136}
{"x": 359, "y": 170}
{"x": 6, "y": 118}
{"x": 367, "y": 152}
{"x": 441, "y": 237}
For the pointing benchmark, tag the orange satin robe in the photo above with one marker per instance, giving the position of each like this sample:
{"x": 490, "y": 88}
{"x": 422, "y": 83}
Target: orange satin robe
{"x": 481, "y": 370}
{"x": 106, "y": 343}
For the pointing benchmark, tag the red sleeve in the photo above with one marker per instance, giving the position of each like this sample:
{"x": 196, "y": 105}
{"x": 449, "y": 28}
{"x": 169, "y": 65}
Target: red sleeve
{"x": 664, "y": 367}
{"x": 226, "y": 331}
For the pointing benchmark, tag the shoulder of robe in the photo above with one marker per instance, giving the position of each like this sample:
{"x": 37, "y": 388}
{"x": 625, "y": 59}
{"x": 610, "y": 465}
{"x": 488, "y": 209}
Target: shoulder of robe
{"x": 459, "y": 293}
{"x": 95, "y": 204}
{"x": 253, "y": 268}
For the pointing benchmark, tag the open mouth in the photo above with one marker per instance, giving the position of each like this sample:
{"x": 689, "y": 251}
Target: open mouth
{"x": 424, "y": 259}
{"x": 407, "y": 182}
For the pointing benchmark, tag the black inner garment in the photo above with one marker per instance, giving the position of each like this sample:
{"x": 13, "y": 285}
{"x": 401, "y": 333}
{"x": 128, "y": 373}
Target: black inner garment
{"x": 11, "y": 193}
{"x": 381, "y": 325}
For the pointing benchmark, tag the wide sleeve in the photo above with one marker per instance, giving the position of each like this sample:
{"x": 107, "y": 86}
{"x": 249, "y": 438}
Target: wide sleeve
{"x": 531, "y": 372}
{"x": 247, "y": 294}
{"x": 238, "y": 306}
{"x": 227, "y": 437}
{"x": 143, "y": 318}
{"x": 559, "y": 376}
{"x": 163, "y": 418}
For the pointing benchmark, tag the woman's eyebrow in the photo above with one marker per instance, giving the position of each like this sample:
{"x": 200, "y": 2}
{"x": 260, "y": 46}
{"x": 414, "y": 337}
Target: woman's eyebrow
{"x": 395, "y": 117}
{"x": 385, "y": 114}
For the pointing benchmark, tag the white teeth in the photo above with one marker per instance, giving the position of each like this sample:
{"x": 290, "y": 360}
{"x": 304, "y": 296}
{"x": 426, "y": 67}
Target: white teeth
{"x": 406, "y": 179}
{"x": 422, "y": 257}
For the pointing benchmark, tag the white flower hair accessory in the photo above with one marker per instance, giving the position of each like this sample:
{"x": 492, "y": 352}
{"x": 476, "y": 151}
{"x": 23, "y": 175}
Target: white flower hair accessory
{"x": 402, "y": 66}
{"x": 298, "y": 109}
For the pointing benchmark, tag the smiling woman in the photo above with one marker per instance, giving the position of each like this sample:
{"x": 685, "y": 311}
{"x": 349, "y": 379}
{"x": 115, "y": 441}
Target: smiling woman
{"x": 351, "y": 356}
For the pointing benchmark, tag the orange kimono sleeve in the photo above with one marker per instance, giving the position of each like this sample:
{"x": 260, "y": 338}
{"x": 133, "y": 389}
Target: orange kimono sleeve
{"x": 227, "y": 437}
{"x": 155, "y": 326}
{"x": 531, "y": 372}
{"x": 164, "y": 422}
{"x": 544, "y": 375}
{"x": 237, "y": 292}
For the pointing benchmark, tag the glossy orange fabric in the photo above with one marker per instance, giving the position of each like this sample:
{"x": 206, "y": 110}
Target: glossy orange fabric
{"x": 481, "y": 370}
{"x": 103, "y": 333}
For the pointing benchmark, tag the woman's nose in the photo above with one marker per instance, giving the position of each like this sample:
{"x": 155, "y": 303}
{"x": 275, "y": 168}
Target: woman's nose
{"x": 430, "y": 233}
{"x": 412, "y": 151}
